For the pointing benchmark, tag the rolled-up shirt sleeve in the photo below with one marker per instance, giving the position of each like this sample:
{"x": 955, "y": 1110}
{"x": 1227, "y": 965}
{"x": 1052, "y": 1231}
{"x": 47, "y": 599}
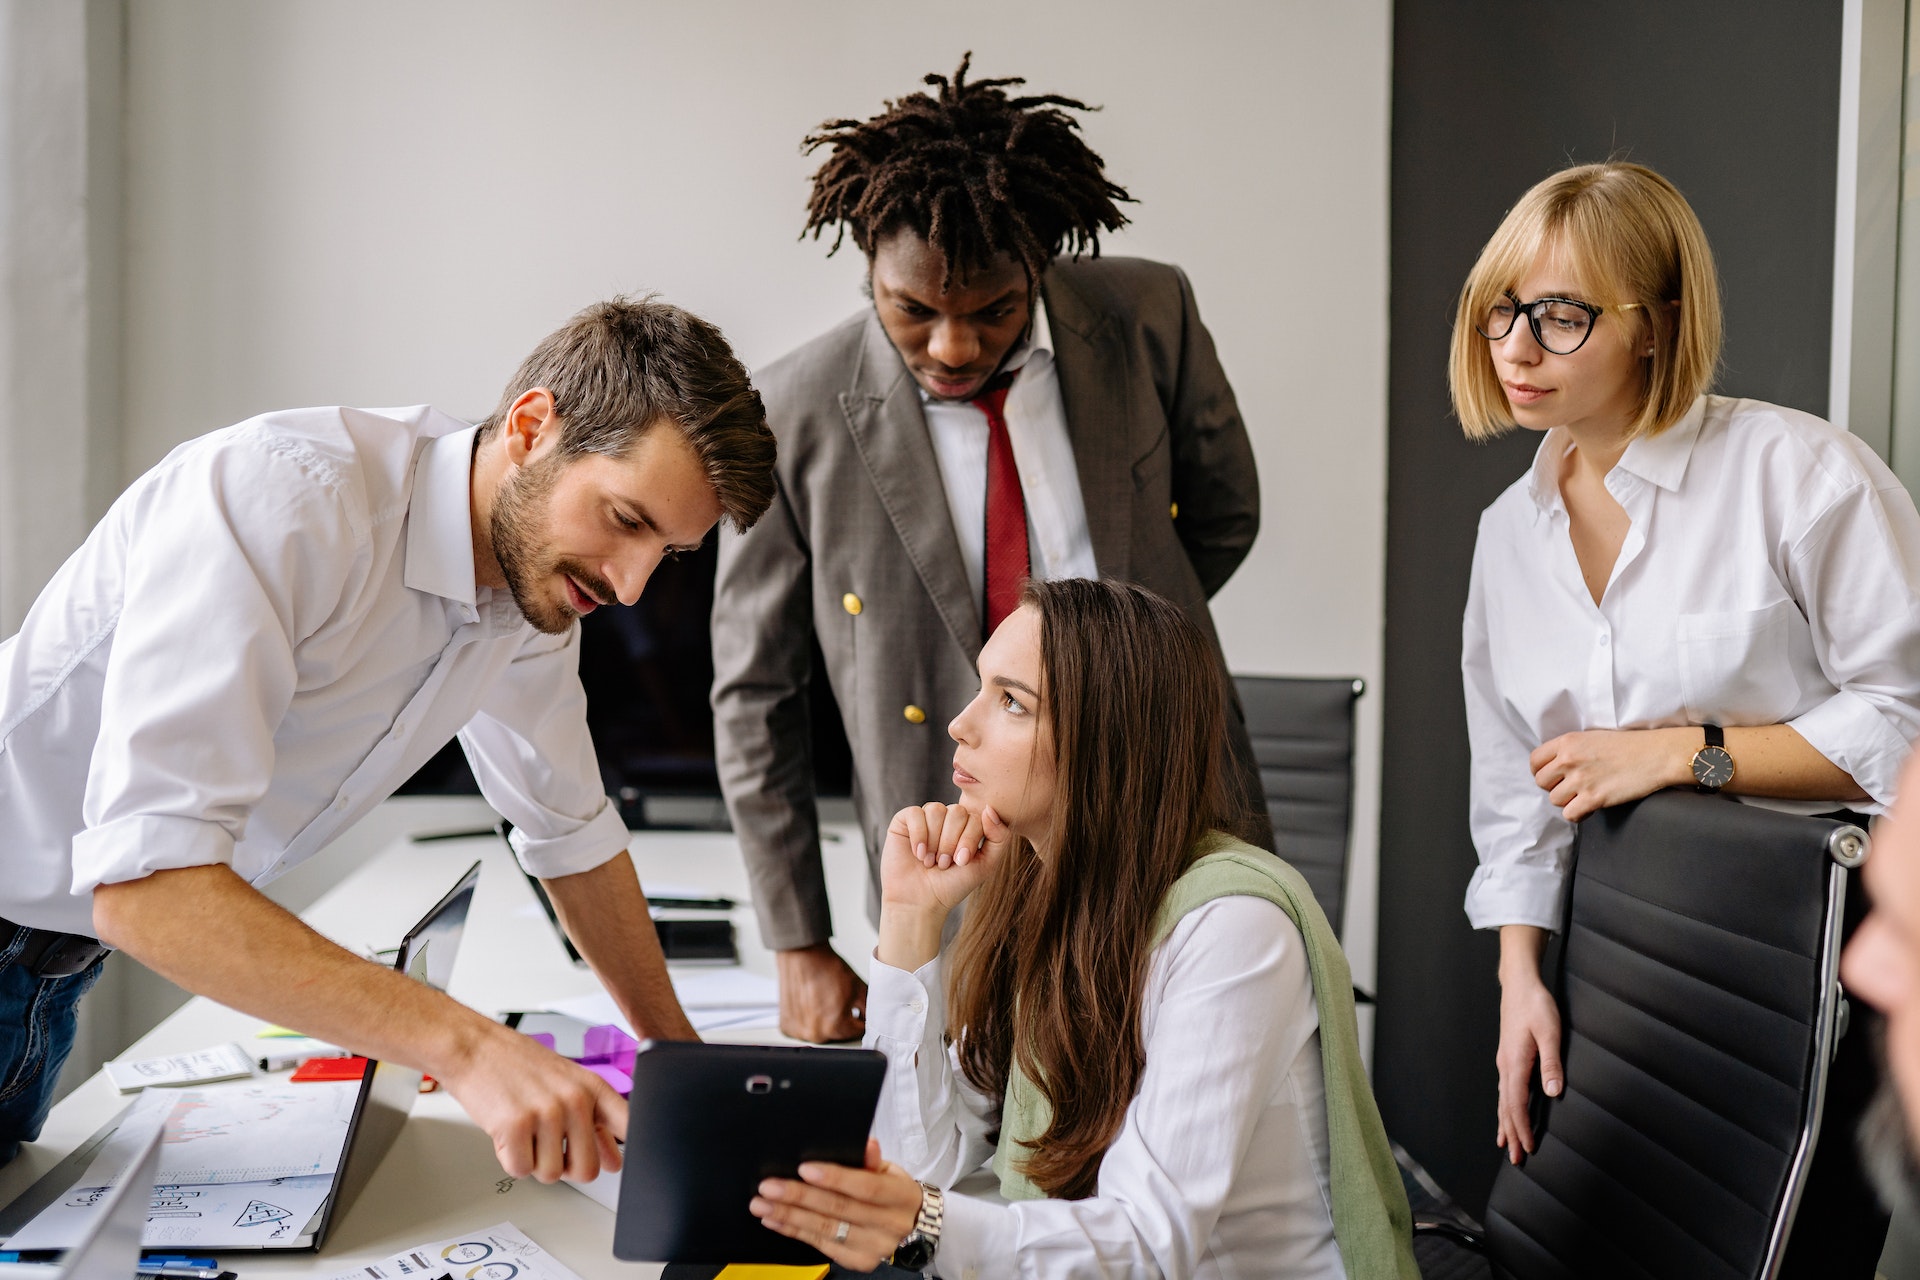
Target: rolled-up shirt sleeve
{"x": 1856, "y": 572}
{"x": 535, "y": 763}
{"x": 233, "y": 564}
{"x": 1524, "y": 844}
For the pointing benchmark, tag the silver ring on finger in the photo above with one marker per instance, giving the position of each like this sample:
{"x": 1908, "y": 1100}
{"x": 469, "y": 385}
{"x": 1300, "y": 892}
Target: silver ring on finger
{"x": 840, "y": 1231}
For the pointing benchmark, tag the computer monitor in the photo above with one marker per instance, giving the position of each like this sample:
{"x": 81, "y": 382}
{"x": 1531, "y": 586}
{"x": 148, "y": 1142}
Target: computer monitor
{"x": 648, "y": 672}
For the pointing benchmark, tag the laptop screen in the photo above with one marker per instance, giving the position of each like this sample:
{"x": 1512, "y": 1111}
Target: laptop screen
{"x": 388, "y": 1089}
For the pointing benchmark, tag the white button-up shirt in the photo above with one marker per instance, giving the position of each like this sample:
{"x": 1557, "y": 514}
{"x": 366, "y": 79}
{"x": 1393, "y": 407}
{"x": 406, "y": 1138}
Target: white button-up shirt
{"x": 1058, "y": 542}
{"x": 1221, "y": 1166}
{"x": 268, "y": 633}
{"x": 1770, "y": 575}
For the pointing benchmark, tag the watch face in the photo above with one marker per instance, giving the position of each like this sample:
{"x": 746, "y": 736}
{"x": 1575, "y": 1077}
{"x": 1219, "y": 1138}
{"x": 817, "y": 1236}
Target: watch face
{"x": 915, "y": 1254}
{"x": 1712, "y": 767}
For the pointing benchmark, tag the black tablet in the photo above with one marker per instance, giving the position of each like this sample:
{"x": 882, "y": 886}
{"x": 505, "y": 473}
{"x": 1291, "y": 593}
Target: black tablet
{"x": 706, "y": 1122}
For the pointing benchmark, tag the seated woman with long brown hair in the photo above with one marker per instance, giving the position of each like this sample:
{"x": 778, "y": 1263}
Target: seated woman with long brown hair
{"x": 1145, "y": 1026}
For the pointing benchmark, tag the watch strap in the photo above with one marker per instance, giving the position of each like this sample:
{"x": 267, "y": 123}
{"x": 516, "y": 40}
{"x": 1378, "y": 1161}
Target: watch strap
{"x": 917, "y": 1250}
{"x": 1716, "y": 736}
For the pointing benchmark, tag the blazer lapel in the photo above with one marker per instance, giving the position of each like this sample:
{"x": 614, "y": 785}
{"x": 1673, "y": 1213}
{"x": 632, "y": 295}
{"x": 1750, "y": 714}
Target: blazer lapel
{"x": 883, "y": 413}
{"x": 1092, "y": 364}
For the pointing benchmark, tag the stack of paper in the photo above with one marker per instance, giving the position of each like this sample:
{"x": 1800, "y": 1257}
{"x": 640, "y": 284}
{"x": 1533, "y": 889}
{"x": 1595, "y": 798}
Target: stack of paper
{"x": 222, "y": 1062}
{"x": 500, "y": 1252}
{"x": 241, "y": 1163}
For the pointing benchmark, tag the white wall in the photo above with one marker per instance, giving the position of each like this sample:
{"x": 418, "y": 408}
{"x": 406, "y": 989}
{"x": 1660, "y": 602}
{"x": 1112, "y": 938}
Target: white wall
{"x": 377, "y": 202}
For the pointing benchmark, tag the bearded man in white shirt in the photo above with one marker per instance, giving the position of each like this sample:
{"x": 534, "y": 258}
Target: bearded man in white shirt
{"x": 1002, "y": 410}
{"x": 273, "y": 628}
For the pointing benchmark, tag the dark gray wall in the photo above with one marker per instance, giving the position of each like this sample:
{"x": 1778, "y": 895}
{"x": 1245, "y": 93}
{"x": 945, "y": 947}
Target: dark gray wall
{"x": 1738, "y": 104}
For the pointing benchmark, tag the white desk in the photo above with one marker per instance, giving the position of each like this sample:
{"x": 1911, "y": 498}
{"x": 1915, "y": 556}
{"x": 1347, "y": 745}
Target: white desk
{"x": 441, "y": 1177}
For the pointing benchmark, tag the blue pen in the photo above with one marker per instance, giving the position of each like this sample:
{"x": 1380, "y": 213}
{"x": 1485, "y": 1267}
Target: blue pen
{"x": 175, "y": 1260}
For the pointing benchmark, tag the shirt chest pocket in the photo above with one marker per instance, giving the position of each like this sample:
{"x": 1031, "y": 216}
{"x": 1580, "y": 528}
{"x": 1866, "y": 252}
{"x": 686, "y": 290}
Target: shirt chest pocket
{"x": 1736, "y": 666}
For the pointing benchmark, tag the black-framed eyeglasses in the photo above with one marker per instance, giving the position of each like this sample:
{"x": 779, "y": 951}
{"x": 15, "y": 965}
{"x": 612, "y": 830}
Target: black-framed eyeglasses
{"x": 1560, "y": 325}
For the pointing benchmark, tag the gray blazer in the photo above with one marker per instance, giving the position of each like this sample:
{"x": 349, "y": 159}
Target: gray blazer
{"x": 859, "y": 550}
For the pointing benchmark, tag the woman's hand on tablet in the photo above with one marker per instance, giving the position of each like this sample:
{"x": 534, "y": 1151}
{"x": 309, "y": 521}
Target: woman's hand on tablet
{"x": 935, "y": 855}
{"x": 857, "y": 1217}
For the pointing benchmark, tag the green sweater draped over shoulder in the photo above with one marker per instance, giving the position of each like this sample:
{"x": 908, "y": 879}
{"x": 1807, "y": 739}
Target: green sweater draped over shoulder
{"x": 1371, "y": 1220}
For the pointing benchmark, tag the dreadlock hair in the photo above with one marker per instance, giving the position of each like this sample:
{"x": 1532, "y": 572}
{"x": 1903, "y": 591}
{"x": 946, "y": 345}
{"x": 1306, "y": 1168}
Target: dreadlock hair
{"x": 973, "y": 172}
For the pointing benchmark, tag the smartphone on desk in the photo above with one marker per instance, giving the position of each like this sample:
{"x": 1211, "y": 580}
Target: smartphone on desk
{"x": 707, "y": 1122}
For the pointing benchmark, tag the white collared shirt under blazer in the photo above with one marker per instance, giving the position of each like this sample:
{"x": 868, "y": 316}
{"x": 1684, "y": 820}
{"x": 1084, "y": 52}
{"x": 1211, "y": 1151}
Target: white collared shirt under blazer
{"x": 1059, "y": 543}
{"x": 268, "y": 633}
{"x": 1770, "y": 575}
{"x": 1220, "y": 1168}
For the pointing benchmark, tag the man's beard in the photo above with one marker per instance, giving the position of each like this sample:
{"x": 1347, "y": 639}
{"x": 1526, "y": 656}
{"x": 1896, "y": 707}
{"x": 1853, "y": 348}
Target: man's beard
{"x": 1886, "y": 1148}
{"x": 518, "y": 530}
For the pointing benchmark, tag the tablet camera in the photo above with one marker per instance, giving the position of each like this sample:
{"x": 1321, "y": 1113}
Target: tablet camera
{"x": 760, "y": 1084}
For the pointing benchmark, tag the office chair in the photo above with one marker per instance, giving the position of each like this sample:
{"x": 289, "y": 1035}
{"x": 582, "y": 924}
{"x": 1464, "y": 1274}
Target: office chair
{"x": 1302, "y": 731}
{"x": 1701, "y": 1008}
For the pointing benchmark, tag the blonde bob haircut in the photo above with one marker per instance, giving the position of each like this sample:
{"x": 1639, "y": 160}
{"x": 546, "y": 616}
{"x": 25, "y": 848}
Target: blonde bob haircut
{"x": 1635, "y": 249}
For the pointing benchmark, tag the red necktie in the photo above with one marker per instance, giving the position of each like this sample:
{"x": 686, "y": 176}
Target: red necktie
{"x": 1007, "y": 565}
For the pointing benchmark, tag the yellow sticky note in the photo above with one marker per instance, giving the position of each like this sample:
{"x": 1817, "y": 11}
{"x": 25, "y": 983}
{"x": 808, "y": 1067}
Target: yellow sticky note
{"x": 761, "y": 1271}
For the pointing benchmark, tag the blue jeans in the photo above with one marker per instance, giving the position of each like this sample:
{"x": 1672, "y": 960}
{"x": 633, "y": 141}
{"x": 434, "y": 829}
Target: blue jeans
{"x": 37, "y": 1020}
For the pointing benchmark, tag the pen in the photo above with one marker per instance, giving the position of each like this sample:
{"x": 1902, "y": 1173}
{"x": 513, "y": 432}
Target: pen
{"x": 291, "y": 1053}
{"x": 151, "y": 1260}
{"x": 181, "y": 1273}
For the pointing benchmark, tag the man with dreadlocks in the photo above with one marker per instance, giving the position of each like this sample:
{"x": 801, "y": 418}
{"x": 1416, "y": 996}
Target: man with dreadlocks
{"x": 1000, "y": 412}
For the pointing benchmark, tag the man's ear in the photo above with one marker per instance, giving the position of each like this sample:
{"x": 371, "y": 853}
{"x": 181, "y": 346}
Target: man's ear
{"x": 530, "y": 426}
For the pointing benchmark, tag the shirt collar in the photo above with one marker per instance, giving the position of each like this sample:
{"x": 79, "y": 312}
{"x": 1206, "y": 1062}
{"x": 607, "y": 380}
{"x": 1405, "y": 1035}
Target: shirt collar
{"x": 1039, "y": 336}
{"x": 440, "y": 519}
{"x": 1658, "y": 459}
{"x": 1662, "y": 459}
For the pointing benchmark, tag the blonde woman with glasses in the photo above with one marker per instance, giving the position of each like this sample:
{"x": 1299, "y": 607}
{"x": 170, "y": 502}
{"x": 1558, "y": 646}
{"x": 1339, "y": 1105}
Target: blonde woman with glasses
{"x": 1684, "y": 589}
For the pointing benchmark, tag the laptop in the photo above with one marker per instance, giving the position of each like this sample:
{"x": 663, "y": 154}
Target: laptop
{"x": 110, "y": 1247}
{"x": 379, "y": 1110}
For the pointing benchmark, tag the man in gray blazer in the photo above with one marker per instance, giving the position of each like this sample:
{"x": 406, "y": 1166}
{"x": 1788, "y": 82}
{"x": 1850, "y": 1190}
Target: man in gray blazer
{"x": 993, "y": 389}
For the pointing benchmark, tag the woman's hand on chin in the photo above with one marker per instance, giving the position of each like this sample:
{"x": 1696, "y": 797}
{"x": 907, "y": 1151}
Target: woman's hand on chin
{"x": 936, "y": 854}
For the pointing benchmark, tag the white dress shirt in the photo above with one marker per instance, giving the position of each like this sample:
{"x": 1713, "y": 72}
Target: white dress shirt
{"x": 268, "y": 633}
{"x": 1770, "y": 575}
{"x": 1058, "y": 542}
{"x": 1220, "y": 1168}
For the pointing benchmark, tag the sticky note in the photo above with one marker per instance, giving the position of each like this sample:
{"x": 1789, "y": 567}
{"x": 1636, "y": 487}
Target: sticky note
{"x": 761, "y": 1271}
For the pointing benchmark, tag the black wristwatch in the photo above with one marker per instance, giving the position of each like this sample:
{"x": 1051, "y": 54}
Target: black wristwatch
{"x": 1712, "y": 766}
{"x": 916, "y": 1251}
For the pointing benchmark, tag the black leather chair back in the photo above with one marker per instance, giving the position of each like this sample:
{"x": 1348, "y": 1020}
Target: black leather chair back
{"x": 1302, "y": 731}
{"x": 1697, "y": 991}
